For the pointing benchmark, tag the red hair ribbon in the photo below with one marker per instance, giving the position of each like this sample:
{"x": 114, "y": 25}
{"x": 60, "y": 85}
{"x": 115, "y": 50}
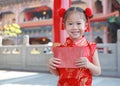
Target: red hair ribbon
{"x": 61, "y": 14}
{"x": 88, "y": 14}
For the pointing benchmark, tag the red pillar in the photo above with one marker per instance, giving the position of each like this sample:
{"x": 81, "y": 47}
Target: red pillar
{"x": 57, "y": 20}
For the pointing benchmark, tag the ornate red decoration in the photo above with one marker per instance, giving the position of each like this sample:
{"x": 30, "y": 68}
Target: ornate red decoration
{"x": 69, "y": 42}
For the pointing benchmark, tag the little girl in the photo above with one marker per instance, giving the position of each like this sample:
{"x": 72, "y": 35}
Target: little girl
{"x": 76, "y": 22}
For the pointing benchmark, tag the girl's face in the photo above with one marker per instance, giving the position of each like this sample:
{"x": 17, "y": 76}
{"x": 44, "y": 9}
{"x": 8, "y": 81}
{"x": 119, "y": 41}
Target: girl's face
{"x": 75, "y": 25}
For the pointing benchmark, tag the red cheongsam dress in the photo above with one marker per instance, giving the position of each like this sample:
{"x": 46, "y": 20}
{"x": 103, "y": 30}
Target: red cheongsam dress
{"x": 77, "y": 76}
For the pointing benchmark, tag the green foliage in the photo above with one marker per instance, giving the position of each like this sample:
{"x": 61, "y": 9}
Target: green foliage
{"x": 114, "y": 19}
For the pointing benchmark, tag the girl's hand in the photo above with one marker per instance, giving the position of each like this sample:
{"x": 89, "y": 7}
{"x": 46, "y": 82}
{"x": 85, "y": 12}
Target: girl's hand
{"x": 83, "y": 62}
{"x": 54, "y": 63}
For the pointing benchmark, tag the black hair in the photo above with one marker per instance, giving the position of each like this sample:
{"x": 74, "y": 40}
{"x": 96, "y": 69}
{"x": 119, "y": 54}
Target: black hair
{"x": 71, "y": 9}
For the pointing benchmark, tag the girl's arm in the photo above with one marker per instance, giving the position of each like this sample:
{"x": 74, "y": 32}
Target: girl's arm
{"x": 95, "y": 67}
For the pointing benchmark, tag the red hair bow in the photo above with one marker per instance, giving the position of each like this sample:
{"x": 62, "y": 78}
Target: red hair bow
{"x": 62, "y": 12}
{"x": 88, "y": 12}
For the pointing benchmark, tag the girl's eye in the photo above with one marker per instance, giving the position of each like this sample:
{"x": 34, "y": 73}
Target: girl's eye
{"x": 78, "y": 23}
{"x": 69, "y": 23}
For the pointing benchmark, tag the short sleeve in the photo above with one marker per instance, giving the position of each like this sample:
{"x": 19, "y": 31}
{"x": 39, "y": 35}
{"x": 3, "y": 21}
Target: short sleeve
{"x": 93, "y": 48}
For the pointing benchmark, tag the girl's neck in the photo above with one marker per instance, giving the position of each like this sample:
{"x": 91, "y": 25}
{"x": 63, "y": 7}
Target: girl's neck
{"x": 76, "y": 40}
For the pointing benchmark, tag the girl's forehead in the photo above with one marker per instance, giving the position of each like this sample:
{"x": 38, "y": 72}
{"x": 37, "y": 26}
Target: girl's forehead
{"x": 75, "y": 15}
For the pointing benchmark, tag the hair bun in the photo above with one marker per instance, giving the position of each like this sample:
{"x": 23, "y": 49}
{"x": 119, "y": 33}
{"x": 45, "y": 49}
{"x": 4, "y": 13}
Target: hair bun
{"x": 88, "y": 12}
{"x": 62, "y": 12}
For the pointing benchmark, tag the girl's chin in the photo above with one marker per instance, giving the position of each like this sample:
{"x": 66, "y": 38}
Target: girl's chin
{"x": 76, "y": 37}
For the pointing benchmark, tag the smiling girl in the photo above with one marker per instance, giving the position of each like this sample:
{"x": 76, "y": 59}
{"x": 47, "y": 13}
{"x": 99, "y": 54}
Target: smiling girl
{"x": 76, "y": 23}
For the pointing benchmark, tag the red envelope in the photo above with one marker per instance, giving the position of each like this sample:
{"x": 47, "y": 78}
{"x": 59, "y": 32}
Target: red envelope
{"x": 68, "y": 55}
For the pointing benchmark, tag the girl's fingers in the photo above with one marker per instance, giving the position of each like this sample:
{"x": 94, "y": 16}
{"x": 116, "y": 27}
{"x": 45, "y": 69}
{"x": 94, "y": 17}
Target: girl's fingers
{"x": 80, "y": 65}
{"x": 82, "y": 62}
{"x": 54, "y": 62}
{"x": 57, "y": 59}
{"x": 79, "y": 61}
{"x": 53, "y": 66}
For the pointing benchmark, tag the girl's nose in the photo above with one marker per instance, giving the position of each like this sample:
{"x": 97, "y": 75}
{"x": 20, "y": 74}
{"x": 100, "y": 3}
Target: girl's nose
{"x": 75, "y": 26}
